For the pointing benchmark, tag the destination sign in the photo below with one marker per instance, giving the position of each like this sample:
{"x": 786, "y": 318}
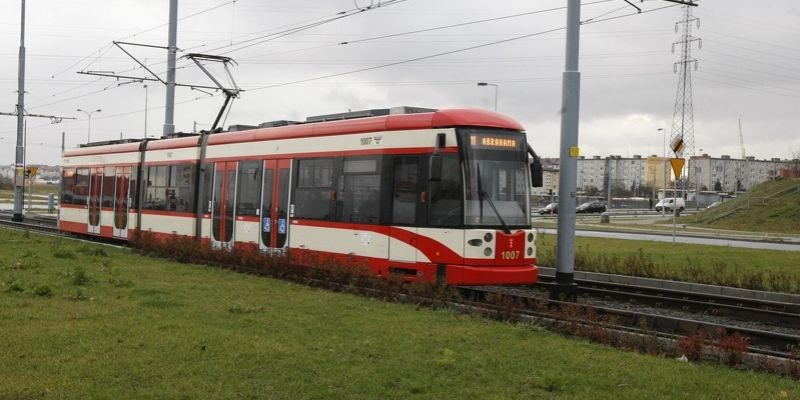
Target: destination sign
{"x": 493, "y": 142}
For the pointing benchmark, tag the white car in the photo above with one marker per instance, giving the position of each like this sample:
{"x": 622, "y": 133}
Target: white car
{"x": 670, "y": 204}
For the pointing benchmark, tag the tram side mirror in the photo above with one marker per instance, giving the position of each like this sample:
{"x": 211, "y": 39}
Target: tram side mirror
{"x": 536, "y": 173}
{"x": 436, "y": 168}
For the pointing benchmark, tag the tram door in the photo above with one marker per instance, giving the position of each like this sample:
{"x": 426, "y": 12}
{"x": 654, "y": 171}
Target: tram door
{"x": 222, "y": 205}
{"x": 95, "y": 194}
{"x": 274, "y": 205}
{"x": 121, "y": 201}
{"x": 408, "y": 200}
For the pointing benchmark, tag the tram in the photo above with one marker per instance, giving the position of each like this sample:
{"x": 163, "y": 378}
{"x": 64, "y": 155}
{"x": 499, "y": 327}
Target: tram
{"x": 427, "y": 195}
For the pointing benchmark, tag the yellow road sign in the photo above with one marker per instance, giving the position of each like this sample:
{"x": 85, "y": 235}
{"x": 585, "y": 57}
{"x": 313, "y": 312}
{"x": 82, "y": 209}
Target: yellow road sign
{"x": 677, "y": 146}
{"x": 677, "y": 166}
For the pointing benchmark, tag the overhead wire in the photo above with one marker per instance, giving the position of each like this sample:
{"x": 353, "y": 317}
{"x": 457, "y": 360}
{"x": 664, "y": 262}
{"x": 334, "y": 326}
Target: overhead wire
{"x": 467, "y": 23}
{"x": 585, "y": 22}
{"x": 108, "y": 47}
{"x": 111, "y": 45}
{"x": 277, "y": 35}
{"x": 704, "y": 78}
{"x": 463, "y": 49}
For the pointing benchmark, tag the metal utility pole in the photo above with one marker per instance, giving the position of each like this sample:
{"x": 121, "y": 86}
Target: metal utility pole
{"x": 19, "y": 175}
{"x": 569, "y": 152}
{"x": 683, "y": 116}
{"x": 19, "y": 112}
{"x": 565, "y": 287}
{"x": 169, "y": 113}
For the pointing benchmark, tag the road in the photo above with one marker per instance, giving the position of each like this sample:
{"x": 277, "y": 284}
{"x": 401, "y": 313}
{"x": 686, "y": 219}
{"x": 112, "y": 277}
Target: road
{"x": 664, "y": 237}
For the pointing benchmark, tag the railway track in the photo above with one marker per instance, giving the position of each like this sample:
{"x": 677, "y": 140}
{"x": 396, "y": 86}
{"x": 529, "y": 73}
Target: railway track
{"x": 764, "y": 311}
{"x": 653, "y": 319}
{"x": 712, "y": 313}
{"x": 48, "y": 225}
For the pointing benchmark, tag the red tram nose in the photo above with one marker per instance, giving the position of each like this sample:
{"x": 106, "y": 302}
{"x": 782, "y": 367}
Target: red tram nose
{"x": 510, "y": 248}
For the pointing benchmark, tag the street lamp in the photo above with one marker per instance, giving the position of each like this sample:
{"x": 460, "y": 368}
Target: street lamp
{"x": 663, "y": 209}
{"x": 495, "y": 92}
{"x": 89, "y": 123}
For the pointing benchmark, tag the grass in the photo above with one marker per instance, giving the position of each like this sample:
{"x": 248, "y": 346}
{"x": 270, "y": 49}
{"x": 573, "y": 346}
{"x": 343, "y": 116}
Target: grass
{"x": 118, "y": 325}
{"x": 718, "y": 265}
{"x": 772, "y": 206}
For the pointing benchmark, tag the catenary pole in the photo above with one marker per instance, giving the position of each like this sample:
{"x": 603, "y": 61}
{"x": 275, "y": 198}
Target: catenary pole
{"x": 565, "y": 285}
{"x": 19, "y": 174}
{"x": 169, "y": 113}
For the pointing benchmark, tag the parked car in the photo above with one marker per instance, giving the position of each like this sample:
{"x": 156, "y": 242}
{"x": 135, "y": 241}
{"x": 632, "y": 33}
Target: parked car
{"x": 551, "y": 208}
{"x": 591, "y": 207}
{"x": 670, "y": 204}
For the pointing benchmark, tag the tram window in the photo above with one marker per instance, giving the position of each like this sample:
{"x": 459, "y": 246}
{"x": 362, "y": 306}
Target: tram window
{"x": 180, "y": 192}
{"x": 67, "y": 182}
{"x": 80, "y": 191}
{"x": 446, "y": 195}
{"x": 156, "y": 193}
{"x": 248, "y": 188}
{"x": 358, "y": 189}
{"x": 159, "y": 175}
{"x": 109, "y": 180}
{"x": 313, "y": 192}
{"x": 208, "y": 180}
{"x": 404, "y": 196}
{"x": 134, "y": 188}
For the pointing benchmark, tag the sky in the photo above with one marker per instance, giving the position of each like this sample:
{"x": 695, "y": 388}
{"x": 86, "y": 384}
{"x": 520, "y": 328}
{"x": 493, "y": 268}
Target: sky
{"x": 413, "y": 53}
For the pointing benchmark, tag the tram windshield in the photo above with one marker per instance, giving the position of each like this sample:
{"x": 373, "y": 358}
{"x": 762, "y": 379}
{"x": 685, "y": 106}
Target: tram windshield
{"x": 496, "y": 178}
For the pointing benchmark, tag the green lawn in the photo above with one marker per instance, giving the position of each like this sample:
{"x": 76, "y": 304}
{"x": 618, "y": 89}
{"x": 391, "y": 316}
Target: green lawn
{"x": 84, "y": 321}
{"x": 772, "y": 206}
{"x": 731, "y": 266}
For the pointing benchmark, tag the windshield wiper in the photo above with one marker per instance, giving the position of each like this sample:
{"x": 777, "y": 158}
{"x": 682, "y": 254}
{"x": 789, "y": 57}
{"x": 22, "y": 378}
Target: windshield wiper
{"x": 482, "y": 195}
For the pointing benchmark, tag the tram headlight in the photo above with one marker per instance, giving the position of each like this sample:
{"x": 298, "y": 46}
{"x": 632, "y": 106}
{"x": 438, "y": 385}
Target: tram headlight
{"x": 530, "y": 236}
{"x": 487, "y": 251}
{"x": 475, "y": 242}
{"x": 488, "y": 237}
{"x": 530, "y": 251}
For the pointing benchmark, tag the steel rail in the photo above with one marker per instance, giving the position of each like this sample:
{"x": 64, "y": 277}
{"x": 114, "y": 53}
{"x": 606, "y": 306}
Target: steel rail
{"x": 781, "y": 314}
{"x": 774, "y": 344}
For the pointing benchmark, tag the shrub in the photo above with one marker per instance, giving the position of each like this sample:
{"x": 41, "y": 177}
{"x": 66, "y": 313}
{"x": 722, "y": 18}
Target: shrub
{"x": 692, "y": 345}
{"x": 732, "y": 348}
{"x": 64, "y": 254}
{"x": 80, "y": 277}
{"x": 42, "y": 290}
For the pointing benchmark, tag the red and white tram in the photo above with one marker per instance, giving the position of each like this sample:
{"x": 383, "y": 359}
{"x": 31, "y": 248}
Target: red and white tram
{"x": 431, "y": 196}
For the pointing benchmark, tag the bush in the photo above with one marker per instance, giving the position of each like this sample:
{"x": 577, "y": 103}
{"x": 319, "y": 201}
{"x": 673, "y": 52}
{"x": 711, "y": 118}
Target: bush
{"x": 79, "y": 277}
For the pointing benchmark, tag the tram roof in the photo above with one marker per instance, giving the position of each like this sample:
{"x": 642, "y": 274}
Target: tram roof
{"x": 447, "y": 118}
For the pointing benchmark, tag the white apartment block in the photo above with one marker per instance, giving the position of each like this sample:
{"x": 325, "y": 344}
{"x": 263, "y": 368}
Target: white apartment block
{"x": 625, "y": 173}
{"x": 729, "y": 174}
{"x": 636, "y": 173}
{"x": 549, "y": 181}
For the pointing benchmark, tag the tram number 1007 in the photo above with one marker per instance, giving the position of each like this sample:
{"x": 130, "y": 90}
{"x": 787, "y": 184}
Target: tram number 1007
{"x": 509, "y": 254}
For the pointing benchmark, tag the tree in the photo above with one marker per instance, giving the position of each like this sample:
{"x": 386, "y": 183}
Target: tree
{"x": 591, "y": 190}
{"x": 717, "y": 186}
